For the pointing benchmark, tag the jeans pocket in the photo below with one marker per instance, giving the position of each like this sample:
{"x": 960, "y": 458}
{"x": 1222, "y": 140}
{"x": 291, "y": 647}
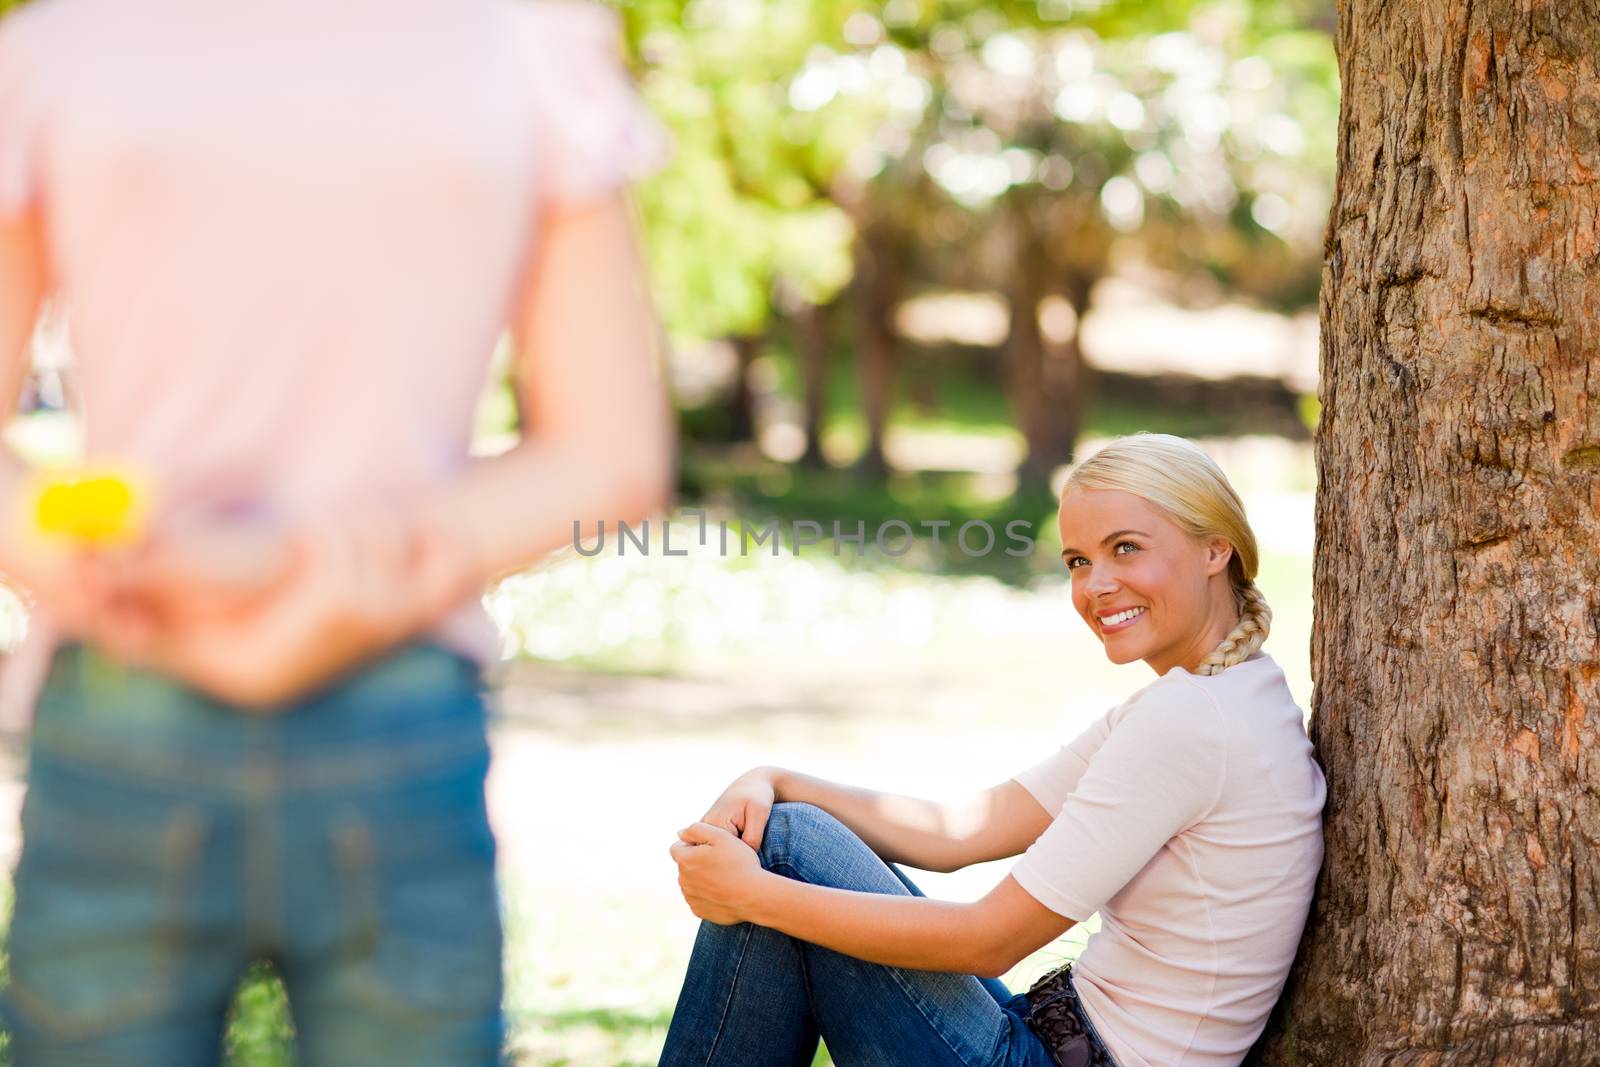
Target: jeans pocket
{"x": 420, "y": 916}
{"x": 99, "y": 928}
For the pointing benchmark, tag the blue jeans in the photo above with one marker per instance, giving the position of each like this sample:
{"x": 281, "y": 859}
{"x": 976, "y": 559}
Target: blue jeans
{"x": 756, "y": 996}
{"x": 170, "y": 841}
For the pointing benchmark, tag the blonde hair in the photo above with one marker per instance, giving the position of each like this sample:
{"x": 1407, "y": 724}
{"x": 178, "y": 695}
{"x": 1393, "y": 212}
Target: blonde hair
{"x": 1180, "y": 479}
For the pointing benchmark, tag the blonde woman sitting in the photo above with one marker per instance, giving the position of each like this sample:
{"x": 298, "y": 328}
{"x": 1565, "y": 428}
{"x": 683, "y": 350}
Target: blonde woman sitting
{"x": 1188, "y": 816}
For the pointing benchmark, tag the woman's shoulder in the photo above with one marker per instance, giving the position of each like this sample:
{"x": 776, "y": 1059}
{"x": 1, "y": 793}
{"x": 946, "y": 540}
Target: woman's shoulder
{"x": 1258, "y": 689}
{"x": 1171, "y": 706}
{"x": 1196, "y": 702}
{"x": 601, "y": 134}
{"x": 1257, "y": 676}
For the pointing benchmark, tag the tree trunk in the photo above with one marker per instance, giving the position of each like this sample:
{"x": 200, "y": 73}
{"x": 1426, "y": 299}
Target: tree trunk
{"x": 1044, "y": 379}
{"x": 1022, "y": 364}
{"x": 1068, "y": 379}
{"x": 1457, "y": 631}
{"x": 879, "y": 281}
{"x": 741, "y": 407}
{"x": 813, "y": 342}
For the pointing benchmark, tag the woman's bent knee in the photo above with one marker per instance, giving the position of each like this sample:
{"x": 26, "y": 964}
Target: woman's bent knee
{"x": 795, "y": 830}
{"x": 806, "y": 843}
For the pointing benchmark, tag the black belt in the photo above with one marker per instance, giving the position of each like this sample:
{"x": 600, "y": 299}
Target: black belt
{"x": 1057, "y": 1016}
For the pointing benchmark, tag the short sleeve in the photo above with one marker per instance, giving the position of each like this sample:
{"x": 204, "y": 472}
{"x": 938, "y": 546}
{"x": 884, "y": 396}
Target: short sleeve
{"x": 18, "y": 120}
{"x": 1052, "y": 780}
{"x": 597, "y": 132}
{"x": 1159, "y": 770}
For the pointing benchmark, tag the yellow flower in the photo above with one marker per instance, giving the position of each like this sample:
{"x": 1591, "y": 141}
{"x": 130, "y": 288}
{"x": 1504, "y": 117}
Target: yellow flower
{"x": 89, "y": 507}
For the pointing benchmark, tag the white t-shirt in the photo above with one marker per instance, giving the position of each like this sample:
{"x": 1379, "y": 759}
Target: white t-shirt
{"x": 1190, "y": 818}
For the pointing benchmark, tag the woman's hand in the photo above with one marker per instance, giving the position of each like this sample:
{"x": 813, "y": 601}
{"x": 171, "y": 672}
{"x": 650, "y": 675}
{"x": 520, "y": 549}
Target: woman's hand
{"x": 744, "y": 806}
{"x": 257, "y": 618}
{"x": 720, "y": 877}
{"x": 55, "y": 573}
{"x": 61, "y": 579}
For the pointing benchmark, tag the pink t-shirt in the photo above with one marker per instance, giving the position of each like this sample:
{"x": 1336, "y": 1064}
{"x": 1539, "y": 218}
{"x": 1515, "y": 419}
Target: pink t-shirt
{"x": 288, "y": 236}
{"x": 1190, "y": 818}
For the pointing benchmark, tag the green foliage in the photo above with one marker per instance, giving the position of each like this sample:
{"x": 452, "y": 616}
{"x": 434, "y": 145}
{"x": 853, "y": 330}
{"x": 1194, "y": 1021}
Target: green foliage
{"x": 1200, "y": 132}
{"x": 797, "y": 123}
{"x": 742, "y": 206}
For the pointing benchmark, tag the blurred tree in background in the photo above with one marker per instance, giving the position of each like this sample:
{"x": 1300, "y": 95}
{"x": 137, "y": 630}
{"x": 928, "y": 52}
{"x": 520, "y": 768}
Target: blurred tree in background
{"x": 835, "y": 158}
{"x": 742, "y": 218}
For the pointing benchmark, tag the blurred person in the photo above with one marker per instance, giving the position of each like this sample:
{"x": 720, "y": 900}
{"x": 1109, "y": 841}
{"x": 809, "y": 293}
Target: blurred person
{"x": 1188, "y": 816}
{"x": 288, "y": 238}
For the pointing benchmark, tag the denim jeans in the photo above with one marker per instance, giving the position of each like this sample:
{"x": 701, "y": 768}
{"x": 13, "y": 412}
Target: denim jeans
{"x": 169, "y": 841}
{"x": 755, "y": 996}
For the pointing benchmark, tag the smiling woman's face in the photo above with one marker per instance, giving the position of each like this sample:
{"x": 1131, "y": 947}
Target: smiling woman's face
{"x": 1146, "y": 588}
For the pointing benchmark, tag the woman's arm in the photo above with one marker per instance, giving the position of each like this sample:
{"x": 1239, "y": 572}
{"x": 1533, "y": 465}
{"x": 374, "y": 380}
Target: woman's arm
{"x": 55, "y": 577}
{"x": 723, "y": 882}
{"x": 987, "y": 937}
{"x": 930, "y": 835}
{"x": 22, "y": 290}
{"x": 597, "y": 438}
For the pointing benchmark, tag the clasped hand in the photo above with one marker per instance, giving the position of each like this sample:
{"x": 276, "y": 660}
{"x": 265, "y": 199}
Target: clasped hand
{"x": 719, "y": 868}
{"x": 717, "y": 873}
{"x": 256, "y": 615}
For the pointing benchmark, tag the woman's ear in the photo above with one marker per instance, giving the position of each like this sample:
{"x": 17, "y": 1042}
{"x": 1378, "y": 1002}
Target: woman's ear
{"x": 1218, "y": 553}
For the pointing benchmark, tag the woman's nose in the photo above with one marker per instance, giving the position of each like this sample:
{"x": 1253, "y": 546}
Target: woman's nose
{"x": 1100, "y": 583}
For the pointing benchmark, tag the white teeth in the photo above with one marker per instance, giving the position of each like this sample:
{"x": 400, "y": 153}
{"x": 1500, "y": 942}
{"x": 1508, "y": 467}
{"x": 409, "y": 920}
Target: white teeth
{"x": 1121, "y": 616}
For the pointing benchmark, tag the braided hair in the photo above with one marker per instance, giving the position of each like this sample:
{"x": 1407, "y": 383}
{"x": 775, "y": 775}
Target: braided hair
{"x": 1175, "y": 475}
{"x": 1255, "y": 620}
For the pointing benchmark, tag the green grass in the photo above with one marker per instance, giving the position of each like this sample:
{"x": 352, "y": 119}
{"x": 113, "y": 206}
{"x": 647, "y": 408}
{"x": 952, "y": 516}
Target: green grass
{"x": 259, "y": 1032}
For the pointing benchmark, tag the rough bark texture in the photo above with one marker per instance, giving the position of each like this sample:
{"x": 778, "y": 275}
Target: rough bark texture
{"x": 1457, "y": 632}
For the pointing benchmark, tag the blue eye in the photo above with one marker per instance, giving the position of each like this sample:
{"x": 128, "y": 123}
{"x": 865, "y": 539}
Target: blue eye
{"x": 1130, "y": 544}
{"x": 1072, "y": 564}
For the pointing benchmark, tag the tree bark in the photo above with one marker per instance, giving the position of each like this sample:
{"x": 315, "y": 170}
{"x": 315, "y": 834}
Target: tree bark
{"x": 1456, "y": 644}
